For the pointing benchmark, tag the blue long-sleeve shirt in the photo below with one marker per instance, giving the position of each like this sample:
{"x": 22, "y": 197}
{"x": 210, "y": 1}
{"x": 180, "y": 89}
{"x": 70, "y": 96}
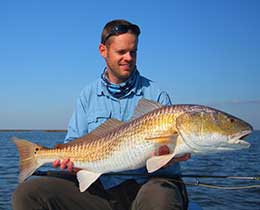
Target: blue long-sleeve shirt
{"x": 95, "y": 105}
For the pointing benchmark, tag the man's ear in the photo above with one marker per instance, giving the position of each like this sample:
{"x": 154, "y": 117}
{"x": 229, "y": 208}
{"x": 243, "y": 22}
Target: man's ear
{"x": 103, "y": 50}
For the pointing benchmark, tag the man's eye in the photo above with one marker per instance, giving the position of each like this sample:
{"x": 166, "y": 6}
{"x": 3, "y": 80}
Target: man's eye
{"x": 121, "y": 52}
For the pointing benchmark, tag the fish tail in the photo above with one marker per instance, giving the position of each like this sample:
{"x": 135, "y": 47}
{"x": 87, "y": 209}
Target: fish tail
{"x": 28, "y": 161}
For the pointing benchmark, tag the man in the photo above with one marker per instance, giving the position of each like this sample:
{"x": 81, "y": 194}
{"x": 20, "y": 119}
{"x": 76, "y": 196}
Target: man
{"x": 114, "y": 95}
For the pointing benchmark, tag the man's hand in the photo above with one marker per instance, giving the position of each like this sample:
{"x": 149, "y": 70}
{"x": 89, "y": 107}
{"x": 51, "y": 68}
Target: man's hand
{"x": 65, "y": 164}
{"x": 164, "y": 150}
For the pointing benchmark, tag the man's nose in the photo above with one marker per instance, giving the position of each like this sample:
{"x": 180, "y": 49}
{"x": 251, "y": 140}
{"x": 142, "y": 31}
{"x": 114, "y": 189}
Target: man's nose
{"x": 128, "y": 56}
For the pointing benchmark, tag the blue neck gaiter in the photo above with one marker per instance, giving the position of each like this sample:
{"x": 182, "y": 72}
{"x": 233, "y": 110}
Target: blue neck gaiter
{"x": 120, "y": 90}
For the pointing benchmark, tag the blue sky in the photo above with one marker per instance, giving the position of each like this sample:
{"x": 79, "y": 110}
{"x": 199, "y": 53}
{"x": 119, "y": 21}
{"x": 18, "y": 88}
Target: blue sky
{"x": 203, "y": 52}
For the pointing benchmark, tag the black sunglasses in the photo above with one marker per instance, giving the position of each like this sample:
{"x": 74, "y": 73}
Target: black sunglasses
{"x": 122, "y": 29}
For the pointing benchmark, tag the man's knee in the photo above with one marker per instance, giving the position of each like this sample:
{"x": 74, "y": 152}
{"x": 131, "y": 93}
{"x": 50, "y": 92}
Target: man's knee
{"x": 33, "y": 192}
{"x": 158, "y": 194}
{"x": 22, "y": 195}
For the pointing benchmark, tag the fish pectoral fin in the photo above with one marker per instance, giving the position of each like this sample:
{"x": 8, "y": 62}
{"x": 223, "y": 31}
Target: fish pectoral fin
{"x": 156, "y": 162}
{"x": 86, "y": 178}
{"x": 162, "y": 139}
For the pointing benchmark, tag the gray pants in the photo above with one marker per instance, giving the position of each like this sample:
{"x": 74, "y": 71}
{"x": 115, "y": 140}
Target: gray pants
{"x": 50, "y": 193}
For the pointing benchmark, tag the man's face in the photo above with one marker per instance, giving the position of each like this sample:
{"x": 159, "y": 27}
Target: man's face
{"x": 120, "y": 56}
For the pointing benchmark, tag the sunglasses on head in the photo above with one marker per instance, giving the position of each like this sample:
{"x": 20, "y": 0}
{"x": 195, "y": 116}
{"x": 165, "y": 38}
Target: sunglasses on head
{"x": 122, "y": 29}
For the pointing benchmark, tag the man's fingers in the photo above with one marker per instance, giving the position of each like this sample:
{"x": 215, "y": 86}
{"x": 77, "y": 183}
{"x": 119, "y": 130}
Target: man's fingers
{"x": 64, "y": 163}
{"x": 56, "y": 163}
{"x": 163, "y": 150}
{"x": 183, "y": 158}
{"x": 70, "y": 166}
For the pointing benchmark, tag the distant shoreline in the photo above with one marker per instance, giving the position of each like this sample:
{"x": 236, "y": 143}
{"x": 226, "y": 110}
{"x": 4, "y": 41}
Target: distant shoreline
{"x": 32, "y": 130}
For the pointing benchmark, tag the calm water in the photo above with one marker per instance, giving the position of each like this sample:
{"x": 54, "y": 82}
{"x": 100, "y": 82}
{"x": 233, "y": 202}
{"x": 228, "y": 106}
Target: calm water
{"x": 238, "y": 163}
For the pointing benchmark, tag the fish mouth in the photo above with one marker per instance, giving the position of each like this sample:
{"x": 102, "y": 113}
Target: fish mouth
{"x": 241, "y": 135}
{"x": 239, "y": 139}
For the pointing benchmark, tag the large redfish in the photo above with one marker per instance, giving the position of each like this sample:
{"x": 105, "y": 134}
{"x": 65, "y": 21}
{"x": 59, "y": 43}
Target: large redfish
{"x": 118, "y": 146}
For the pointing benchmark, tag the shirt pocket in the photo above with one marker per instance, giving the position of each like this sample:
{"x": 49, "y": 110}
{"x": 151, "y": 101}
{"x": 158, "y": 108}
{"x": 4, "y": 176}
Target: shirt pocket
{"x": 97, "y": 118}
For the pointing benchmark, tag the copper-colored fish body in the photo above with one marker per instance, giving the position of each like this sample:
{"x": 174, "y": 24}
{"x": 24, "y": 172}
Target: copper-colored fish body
{"x": 118, "y": 146}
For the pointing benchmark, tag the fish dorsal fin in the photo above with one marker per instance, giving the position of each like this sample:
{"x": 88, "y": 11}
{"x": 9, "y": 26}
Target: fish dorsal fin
{"x": 144, "y": 106}
{"x": 107, "y": 126}
{"x": 97, "y": 133}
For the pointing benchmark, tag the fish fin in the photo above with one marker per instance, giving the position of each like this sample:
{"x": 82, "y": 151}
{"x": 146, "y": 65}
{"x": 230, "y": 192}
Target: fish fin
{"x": 28, "y": 161}
{"x": 163, "y": 139}
{"x": 156, "y": 162}
{"x": 97, "y": 133}
{"x": 144, "y": 106}
{"x": 86, "y": 178}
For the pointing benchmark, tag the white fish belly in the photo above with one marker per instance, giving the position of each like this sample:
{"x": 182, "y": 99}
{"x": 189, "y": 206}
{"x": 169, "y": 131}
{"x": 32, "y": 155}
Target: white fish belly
{"x": 127, "y": 157}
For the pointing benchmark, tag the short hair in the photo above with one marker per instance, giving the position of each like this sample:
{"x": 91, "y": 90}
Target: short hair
{"x": 109, "y": 29}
